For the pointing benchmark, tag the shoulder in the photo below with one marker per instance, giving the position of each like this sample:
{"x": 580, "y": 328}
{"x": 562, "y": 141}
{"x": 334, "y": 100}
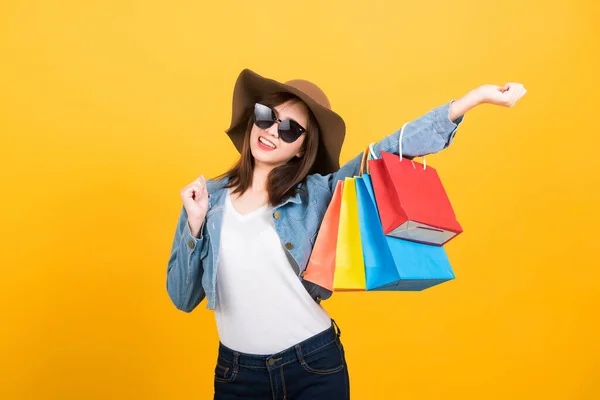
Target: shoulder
{"x": 318, "y": 182}
{"x": 215, "y": 185}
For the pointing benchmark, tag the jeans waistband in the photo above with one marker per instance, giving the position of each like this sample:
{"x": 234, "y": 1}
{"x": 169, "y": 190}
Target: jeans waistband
{"x": 290, "y": 354}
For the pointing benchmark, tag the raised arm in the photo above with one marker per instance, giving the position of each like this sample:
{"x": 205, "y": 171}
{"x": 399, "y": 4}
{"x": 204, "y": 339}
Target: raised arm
{"x": 433, "y": 131}
{"x": 429, "y": 133}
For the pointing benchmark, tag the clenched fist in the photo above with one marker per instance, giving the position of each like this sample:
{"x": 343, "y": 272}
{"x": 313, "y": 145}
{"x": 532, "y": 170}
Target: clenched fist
{"x": 195, "y": 202}
{"x": 506, "y": 95}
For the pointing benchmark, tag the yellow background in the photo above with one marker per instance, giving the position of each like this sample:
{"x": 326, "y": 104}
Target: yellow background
{"x": 107, "y": 109}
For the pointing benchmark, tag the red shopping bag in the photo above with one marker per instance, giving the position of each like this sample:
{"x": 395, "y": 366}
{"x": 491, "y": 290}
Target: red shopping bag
{"x": 412, "y": 202}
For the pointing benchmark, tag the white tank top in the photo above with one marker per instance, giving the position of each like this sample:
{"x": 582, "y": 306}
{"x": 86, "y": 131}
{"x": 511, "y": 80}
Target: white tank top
{"x": 262, "y": 307}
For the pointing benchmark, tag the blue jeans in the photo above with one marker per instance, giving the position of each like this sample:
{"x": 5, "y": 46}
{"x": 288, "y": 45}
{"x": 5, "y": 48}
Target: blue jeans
{"x": 312, "y": 369}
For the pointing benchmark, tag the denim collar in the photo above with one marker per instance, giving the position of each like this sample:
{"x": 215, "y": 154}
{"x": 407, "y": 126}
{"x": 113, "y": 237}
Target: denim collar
{"x": 217, "y": 190}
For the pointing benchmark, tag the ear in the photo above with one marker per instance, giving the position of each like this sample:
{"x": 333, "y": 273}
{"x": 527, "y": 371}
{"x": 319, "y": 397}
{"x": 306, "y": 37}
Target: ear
{"x": 300, "y": 154}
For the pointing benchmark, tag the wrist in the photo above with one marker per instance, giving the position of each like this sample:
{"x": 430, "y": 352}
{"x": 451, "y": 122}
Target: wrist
{"x": 476, "y": 97}
{"x": 195, "y": 227}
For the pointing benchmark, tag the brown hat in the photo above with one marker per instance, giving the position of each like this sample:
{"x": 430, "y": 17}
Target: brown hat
{"x": 251, "y": 87}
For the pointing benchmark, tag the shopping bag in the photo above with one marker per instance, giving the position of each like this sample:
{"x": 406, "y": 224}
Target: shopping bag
{"x": 380, "y": 269}
{"x": 411, "y": 200}
{"x": 349, "y": 262}
{"x": 393, "y": 264}
{"x": 321, "y": 264}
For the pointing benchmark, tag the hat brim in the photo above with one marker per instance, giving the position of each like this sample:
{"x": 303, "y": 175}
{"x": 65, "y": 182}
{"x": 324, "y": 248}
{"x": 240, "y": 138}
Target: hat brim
{"x": 250, "y": 87}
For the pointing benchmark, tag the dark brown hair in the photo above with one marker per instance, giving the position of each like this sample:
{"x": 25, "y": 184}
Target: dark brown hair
{"x": 283, "y": 180}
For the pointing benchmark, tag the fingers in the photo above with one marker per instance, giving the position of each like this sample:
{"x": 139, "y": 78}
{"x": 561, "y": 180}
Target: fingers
{"x": 519, "y": 92}
{"x": 191, "y": 191}
{"x": 513, "y": 97}
{"x": 196, "y": 189}
{"x": 201, "y": 181}
{"x": 515, "y": 92}
{"x": 200, "y": 185}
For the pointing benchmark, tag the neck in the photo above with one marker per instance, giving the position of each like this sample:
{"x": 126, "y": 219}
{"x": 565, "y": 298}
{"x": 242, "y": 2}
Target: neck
{"x": 259, "y": 178}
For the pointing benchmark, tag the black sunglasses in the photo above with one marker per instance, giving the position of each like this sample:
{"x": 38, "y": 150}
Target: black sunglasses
{"x": 289, "y": 130}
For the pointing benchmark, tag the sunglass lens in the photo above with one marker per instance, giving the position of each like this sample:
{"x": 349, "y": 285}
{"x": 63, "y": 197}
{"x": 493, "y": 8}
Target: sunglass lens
{"x": 289, "y": 131}
{"x": 263, "y": 116}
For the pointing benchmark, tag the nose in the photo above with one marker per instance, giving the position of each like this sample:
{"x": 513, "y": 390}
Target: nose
{"x": 273, "y": 129}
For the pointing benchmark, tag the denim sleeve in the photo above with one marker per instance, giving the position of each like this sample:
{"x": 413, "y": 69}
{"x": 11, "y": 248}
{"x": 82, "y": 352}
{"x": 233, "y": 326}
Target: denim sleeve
{"x": 429, "y": 133}
{"x": 184, "y": 271}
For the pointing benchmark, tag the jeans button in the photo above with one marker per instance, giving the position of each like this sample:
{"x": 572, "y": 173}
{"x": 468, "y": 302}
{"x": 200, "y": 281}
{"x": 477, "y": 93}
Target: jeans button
{"x": 191, "y": 244}
{"x": 289, "y": 246}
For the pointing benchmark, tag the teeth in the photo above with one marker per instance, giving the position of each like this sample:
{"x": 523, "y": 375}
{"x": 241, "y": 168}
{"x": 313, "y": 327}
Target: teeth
{"x": 266, "y": 142}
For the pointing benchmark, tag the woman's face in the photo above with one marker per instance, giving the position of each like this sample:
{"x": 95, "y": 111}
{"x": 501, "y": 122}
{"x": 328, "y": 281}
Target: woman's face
{"x": 280, "y": 152}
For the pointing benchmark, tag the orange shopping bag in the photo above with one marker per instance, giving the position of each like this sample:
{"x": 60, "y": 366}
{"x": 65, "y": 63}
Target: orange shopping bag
{"x": 321, "y": 265}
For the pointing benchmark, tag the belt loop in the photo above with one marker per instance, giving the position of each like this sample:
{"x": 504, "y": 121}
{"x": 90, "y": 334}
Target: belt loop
{"x": 236, "y": 359}
{"x": 299, "y": 353}
{"x": 339, "y": 331}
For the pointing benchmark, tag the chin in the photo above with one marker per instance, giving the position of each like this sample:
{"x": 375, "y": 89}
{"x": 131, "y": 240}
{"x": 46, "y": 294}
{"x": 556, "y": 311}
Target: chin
{"x": 265, "y": 158}
{"x": 259, "y": 155}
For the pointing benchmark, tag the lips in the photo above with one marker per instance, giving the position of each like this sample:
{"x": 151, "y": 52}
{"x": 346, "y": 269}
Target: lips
{"x": 266, "y": 143}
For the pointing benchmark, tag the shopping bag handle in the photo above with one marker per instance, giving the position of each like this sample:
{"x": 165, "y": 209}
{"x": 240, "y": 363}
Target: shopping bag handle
{"x": 400, "y": 147}
{"x": 364, "y": 167}
{"x": 372, "y": 152}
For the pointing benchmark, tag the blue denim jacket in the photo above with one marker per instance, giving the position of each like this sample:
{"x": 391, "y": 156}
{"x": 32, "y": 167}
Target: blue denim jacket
{"x": 192, "y": 267}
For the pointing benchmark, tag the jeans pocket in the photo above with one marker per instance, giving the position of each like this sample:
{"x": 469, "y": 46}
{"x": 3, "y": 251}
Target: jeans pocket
{"x": 225, "y": 371}
{"x": 326, "y": 360}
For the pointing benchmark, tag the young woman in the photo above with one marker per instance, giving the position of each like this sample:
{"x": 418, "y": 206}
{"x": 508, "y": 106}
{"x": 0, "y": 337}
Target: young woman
{"x": 243, "y": 239}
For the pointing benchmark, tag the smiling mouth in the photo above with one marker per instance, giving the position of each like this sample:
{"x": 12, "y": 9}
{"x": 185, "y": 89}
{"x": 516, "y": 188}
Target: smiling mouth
{"x": 266, "y": 142}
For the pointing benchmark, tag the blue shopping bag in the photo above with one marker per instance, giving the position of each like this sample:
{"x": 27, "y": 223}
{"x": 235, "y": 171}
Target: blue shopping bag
{"x": 394, "y": 264}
